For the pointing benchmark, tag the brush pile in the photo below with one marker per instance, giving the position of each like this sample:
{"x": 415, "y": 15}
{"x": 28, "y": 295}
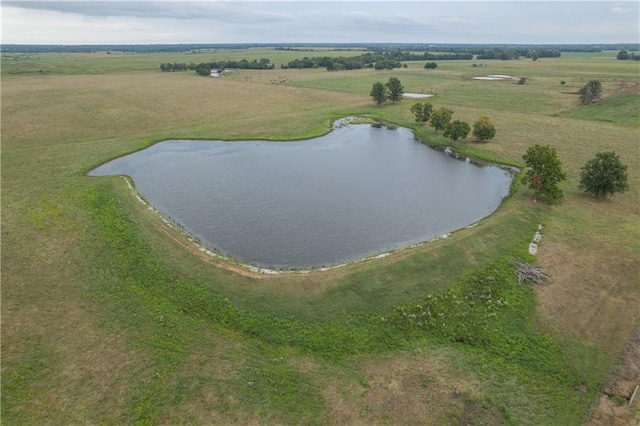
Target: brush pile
{"x": 529, "y": 272}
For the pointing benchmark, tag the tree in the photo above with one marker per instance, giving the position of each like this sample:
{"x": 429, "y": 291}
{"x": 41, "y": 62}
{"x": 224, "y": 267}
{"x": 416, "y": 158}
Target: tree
{"x": 483, "y": 129}
{"x": 378, "y": 93}
{"x": 604, "y": 175}
{"x": 590, "y": 92}
{"x": 203, "y": 70}
{"x": 456, "y": 130}
{"x": 396, "y": 89}
{"x": 544, "y": 171}
{"x": 422, "y": 112}
{"x": 440, "y": 118}
{"x": 522, "y": 80}
{"x": 623, "y": 55}
{"x": 431, "y": 65}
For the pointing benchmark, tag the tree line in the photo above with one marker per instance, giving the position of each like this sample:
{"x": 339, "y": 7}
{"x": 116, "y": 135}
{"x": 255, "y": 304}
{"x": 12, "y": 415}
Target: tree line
{"x": 378, "y": 60}
{"x": 509, "y": 54}
{"x": 439, "y": 119}
{"x": 262, "y": 64}
{"x": 204, "y": 68}
{"x": 331, "y": 64}
{"x": 178, "y": 66}
{"x": 390, "y": 59}
{"x": 623, "y": 55}
{"x": 584, "y": 48}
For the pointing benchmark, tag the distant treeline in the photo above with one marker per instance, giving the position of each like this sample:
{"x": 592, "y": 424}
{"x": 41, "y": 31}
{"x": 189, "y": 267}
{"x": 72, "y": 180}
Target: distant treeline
{"x": 262, "y": 64}
{"x": 204, "y": 68}
{"x": 393, "y": 58}
{"x": 177, "y": 67}
{"x": 623, "y": 55}
{"x": 377, "y": 60}
{"x": 507, "y": 54}
{"x": 587, "y": 48}
{"x": 374, "y": 47}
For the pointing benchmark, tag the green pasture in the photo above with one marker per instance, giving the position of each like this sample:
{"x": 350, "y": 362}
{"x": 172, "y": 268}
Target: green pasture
{"x": 110, "y": 317}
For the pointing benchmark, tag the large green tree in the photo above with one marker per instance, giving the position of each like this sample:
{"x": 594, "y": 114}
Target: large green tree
{"x": 456, "y": 130}
{"x": 623, "y": 55}
{"x": 422, "y": 111}
{"x": 440, "y": 118}
{"x": 604, "y": 175}
{"x": 203, "y": 70}
{"x": 544, "y": 171}
{"x": 590, "y": 92}
{"x": 483, "y": 129}
{"x": 379, "y": 93}
{"x": 396, "y": 89}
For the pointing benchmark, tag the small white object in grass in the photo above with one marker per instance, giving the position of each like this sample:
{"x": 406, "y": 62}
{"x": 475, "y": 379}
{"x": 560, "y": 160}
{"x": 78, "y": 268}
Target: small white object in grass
{"x": 495, "y": 77}
{"x": 417, "y": 95}
{"x": 533, "y": 248}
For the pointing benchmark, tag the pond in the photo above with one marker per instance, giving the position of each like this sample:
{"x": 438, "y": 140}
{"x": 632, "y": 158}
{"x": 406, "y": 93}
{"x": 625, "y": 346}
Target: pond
{"x": 358, "y": 191}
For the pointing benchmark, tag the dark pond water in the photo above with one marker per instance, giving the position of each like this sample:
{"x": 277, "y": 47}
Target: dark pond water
{"x": 356, "y": 192}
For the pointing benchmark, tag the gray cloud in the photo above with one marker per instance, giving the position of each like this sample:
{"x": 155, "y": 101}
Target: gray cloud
{"x": 218, "y": 11}
{"x": 329, "y": 21}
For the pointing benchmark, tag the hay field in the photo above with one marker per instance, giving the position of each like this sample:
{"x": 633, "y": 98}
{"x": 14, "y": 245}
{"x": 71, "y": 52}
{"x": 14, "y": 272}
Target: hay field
{"x": 109, "y": 317}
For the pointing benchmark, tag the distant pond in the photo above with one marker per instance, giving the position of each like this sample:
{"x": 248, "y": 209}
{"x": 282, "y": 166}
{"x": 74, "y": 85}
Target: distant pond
{"x": 356, "y": 192}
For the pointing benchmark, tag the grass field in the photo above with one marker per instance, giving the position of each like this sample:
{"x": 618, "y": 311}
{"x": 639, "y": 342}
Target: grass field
{"x": 110, "y": 317}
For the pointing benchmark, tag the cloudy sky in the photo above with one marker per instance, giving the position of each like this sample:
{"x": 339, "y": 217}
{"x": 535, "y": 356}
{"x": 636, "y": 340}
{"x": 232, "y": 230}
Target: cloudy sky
{"x": 212, "y": 21}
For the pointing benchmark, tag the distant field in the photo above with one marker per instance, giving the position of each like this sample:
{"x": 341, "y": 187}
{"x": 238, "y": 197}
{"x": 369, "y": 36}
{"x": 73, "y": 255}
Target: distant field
{"x": 110, "y": 317}
{"x": 108, "y": 62}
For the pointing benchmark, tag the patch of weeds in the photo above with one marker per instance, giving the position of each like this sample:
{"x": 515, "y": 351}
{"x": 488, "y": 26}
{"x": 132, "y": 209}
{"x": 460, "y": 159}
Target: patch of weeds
{"x": 426, "y": 381}
{"x": 45, "y": 214}
{"x": 279, "y": 394}
{"x": 363, "y": 382}
{"x": 20, "y": 379}
{"x": 468, "y": 312}
{"x": 364, "y": 120}
{"x": 474, "y": 411}
{"x": 618, "y": 400}
{"x": 489, "y": 315}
